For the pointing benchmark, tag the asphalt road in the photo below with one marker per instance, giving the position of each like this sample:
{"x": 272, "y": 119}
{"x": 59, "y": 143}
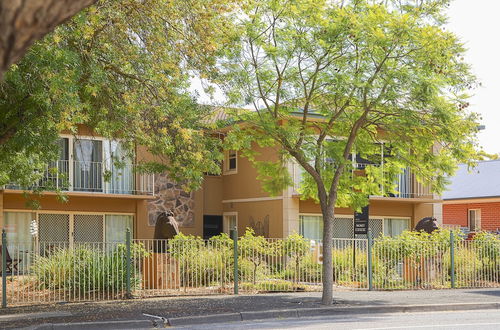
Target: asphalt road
{"x": 477, "y": 320}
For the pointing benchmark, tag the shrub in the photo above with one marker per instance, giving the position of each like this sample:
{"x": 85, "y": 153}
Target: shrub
{"x": 203, "y": 263}
{"x": 349, "y": 265}
{"x": 308, "y": 270}
{"x": 256, "y": 249}
{"x": 296, "y": 247}
{"x": 82, "y": 270}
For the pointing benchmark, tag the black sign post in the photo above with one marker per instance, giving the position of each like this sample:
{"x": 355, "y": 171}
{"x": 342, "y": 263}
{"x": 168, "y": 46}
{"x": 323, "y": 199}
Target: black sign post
{"x": 361, "y": 222}
{"x": 360, "y": 228}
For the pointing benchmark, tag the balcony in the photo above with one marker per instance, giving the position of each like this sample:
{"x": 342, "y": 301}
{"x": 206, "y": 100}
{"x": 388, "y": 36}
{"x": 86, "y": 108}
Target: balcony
{"x": 93, "y": 177}
{"x": 407, "y": 186}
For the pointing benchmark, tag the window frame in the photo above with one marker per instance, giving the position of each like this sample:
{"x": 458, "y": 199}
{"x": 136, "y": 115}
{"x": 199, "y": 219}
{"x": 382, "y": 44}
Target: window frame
{"x": 477, "y": 220}
{"x": 390, "y": 219}
{"x": 226, "y": 221}
{"x": 227, "y": 161}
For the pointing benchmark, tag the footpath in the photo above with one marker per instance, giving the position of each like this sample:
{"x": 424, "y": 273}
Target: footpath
{"x": 185, "y": 311}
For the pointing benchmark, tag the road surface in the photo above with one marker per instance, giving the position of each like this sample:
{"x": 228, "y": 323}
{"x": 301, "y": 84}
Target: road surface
{"x": 477, "y": 320}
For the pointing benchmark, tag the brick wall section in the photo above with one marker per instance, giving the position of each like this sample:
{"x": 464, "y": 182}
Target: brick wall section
{"x": 457, "y": 214}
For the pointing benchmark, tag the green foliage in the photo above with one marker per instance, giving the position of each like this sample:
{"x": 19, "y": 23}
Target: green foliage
{"x": 327, "y": 79}
{"x": 83, "y": 271}
{"x": 122, "y": 68}
{"x": 255, "y": 249}
{"x": 349, "y": 265}
{"x": 203, "y": 263}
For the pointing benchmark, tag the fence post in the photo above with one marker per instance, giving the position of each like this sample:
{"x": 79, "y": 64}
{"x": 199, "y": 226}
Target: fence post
{"x": 234, "y": 236}
{"x": 452, "y": 259}
{"x": 4, "y": 269}
{"x": 370, "y": 265}
{"x": 127, "y": 242}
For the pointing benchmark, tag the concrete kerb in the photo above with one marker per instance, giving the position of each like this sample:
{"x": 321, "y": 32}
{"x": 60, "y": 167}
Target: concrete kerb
{"x": 273, "y": 314}
{"x": 132, "y": 324}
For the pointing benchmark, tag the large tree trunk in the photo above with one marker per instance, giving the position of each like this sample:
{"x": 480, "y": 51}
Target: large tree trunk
{"x": 328, "y": 218}
{"x": 22, "y": 22}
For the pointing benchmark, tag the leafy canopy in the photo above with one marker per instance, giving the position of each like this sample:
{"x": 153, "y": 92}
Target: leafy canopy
{"x": 121, "y": 68}
{"x": 328, "y": 78}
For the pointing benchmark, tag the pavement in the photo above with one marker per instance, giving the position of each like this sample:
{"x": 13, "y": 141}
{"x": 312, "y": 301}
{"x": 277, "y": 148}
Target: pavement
{"x": 191, "y": 310}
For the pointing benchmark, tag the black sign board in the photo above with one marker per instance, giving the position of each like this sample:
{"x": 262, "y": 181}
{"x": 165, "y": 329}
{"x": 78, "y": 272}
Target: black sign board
{"x": 361, "y": 221}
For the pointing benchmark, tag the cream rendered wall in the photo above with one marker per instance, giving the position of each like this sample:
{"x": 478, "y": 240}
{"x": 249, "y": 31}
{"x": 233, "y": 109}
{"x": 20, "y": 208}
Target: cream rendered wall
{"x": 244, "y": 183}
{"x": 258, "y": 211}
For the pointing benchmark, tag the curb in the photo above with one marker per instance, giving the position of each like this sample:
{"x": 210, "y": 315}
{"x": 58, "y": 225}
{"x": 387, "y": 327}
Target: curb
{"x": 271, "y": 314}
{"x": 133, "y": 324}
{"x": 327, "y": 311}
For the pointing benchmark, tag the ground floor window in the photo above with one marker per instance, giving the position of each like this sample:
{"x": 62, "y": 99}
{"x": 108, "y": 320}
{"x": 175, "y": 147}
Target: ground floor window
{"x": 65, "y": 228}
{"x": 116, "y": 227}
{"x": 311, "y": 227}
{"x": 17, "y": 226}
{"x": 394, "y": 227}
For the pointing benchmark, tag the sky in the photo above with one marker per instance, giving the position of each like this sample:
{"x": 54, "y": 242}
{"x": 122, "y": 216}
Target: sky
{"x": 477, "y": 25}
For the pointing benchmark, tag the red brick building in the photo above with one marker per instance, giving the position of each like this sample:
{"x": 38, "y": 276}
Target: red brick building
{"x": 472, "y": 200}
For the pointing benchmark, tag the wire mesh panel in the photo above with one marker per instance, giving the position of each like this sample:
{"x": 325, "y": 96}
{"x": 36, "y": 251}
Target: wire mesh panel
{"x": 53, "y": 231}
{"x": 88, "y": 228}
{"x": 343, "y": 228}
{"x": 376, "y": 227}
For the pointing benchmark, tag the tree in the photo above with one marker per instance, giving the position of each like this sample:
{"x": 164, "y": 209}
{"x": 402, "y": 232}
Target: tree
{"x": 121, "y": 68}
{"x": 327, "y": 78}
{"x": 24, "y": 22}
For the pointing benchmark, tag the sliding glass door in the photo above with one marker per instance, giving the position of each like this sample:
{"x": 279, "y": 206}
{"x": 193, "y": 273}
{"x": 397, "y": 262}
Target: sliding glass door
{"x": 119, "y": 165}
{"x": 87, "y": 170}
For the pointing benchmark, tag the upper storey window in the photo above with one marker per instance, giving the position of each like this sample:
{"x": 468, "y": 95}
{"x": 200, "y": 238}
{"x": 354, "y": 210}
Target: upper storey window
{"x": 231, "y": 162}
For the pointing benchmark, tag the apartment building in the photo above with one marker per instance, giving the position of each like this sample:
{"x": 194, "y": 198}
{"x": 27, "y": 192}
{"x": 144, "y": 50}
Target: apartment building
{"x": 236, "y": 198}
{"x": 105, "y": 198}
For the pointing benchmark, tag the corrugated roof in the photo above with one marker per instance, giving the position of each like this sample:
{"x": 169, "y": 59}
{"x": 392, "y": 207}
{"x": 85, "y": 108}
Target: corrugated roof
{"x": 481, "y": 181}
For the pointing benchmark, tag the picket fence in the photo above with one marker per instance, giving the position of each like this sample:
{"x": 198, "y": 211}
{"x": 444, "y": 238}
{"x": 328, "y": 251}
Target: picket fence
{"x": 49, "y": 272}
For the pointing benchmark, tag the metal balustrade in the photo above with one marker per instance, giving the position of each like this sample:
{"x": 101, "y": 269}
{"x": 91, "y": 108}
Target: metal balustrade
{"x": 94, "y": 177}
{"x": 406, "y": 183}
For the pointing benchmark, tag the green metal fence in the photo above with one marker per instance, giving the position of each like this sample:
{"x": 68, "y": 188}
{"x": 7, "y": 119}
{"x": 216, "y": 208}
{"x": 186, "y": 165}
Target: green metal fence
{"x": 47, "y": 272}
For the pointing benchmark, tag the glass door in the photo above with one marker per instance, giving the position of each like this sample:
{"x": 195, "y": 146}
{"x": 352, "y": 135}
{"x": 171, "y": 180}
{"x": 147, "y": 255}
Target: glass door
{"x": 87, "y": 171}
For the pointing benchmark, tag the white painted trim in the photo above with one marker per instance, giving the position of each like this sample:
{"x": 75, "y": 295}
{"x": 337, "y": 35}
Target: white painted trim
{"x": 225, "y": 228}
{"x": 225, "y": 165}
{"x": 255, "y": 199}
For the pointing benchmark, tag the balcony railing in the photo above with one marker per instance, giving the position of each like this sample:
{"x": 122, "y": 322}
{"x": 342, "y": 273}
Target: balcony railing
{"x": 407, "y": 185}
{"x": 94, "y": 177}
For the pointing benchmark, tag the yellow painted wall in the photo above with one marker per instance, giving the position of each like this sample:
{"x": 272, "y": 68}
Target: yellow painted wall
{"x": 259, "y": 210}
{"x": 212, "y": 195}
{"x": 244, "y": 184}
